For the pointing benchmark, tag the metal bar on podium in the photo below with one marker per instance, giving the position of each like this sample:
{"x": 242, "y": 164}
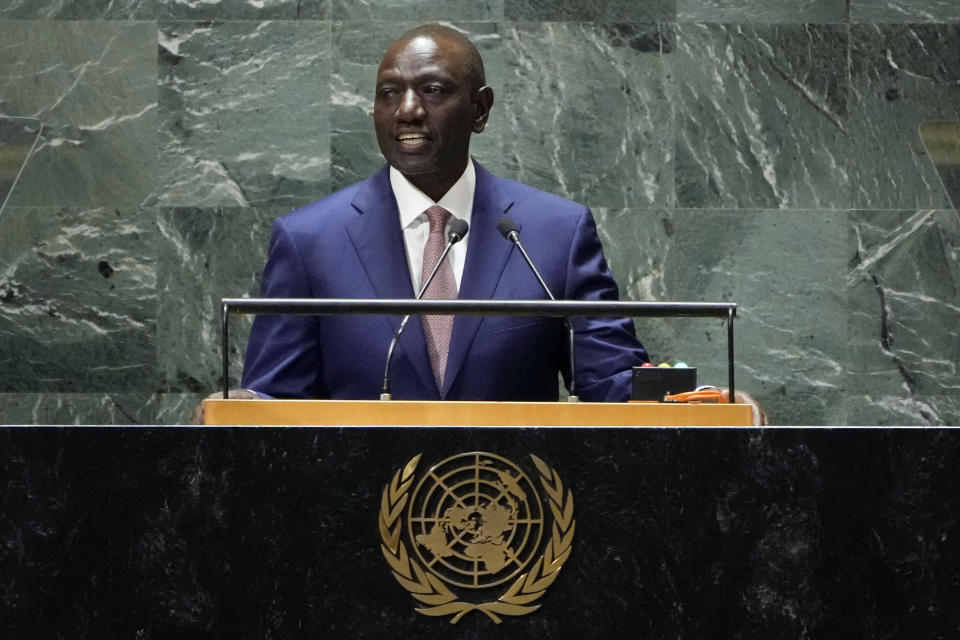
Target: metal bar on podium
{"x": 225, "y": 337}
{"x": 731, "y": 312}
{"x": 550, "y": 308}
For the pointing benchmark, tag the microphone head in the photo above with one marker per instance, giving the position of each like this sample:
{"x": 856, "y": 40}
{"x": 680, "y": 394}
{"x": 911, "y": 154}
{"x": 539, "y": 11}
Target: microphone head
{"x": 458, "y": 229}
{"x": 507, "y": 228}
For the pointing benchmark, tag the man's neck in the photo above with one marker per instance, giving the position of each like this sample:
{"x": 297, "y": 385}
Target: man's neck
{"x": 412, "y": 202}
{"x": 436, "y": 185}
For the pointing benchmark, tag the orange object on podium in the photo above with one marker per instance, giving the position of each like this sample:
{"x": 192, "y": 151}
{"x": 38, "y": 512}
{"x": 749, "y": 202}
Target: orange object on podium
{"x": 480, "y": 414}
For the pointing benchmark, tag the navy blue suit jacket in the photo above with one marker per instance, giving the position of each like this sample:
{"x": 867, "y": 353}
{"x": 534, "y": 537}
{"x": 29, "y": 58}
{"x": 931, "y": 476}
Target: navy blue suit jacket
{"x": 350, "y": 245}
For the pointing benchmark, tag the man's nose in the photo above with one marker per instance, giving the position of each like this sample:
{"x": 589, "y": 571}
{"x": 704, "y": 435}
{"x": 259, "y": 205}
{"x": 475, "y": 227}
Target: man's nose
{"x": 410, "y": 107}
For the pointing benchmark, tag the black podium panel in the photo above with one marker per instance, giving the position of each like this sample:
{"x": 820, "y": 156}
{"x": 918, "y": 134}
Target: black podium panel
{"x": 680, "y": 533}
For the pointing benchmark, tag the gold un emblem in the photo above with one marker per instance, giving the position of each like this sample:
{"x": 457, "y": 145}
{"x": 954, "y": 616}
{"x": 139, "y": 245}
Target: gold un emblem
{"x": 474, "y": 522}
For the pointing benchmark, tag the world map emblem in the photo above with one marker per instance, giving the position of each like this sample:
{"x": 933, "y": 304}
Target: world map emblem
{"x": 473, "y": 523}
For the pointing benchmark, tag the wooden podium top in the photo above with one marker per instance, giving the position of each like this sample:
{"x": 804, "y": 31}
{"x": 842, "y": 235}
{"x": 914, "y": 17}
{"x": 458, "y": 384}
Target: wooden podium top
{"x": 452, "y": 413}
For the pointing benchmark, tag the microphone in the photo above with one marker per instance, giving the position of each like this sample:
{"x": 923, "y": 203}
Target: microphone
{"x": 508, "y": 229}
{"x": 457, "y": 229}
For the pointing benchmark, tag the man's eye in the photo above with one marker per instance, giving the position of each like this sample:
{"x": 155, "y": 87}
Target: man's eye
{"x": 433, "y": 89}
{"x": 386, "y": 92}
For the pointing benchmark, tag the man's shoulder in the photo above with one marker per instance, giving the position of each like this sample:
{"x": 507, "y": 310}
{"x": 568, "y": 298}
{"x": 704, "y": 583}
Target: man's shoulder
{"x": 523, "y": 195}
{"x": 334, "y": 209}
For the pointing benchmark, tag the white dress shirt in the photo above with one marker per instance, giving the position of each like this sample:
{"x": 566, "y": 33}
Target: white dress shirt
{"x": 413, "y": 204}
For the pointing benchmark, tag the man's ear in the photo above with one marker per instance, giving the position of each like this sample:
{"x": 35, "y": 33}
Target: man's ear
{"x": 482, "y": 103}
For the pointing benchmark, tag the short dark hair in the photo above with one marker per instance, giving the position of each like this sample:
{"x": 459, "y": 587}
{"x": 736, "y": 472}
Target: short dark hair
{"x": 472, "y": 62}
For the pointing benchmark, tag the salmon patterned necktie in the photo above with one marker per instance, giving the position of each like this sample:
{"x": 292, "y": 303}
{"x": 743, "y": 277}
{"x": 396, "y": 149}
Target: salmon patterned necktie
{"x": 437, "y": 329}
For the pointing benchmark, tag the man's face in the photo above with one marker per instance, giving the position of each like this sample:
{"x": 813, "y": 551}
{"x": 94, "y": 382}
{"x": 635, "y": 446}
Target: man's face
{"x": 425, "y": 110}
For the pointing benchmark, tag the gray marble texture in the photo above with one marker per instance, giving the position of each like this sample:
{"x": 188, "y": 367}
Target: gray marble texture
{"x": 903, "y": 321}
{"x": 590, "y": 10}
{"x": 354, "y": 153}
{"x": 588, "y": 111}
{"x": 97, "y": 408}
{"x": 78, "y": 299}
{"x": 909, "y": 11}
{"x": 900, "y": 77}
{"x": 764, "y": 153}
{"x": 206, "y": 255}
{"x": 92, "y": 85}
{"x": 766, "y": 11}
{"x": 79, "y": 408}
{"x": 244, "y": 113}
{"x": 785, "y": 272}
{"x": 417, "y": 10}
{"x": 760, "y": 121}
{"x": 78, "y": 9}
{"x": 243, "y": 9}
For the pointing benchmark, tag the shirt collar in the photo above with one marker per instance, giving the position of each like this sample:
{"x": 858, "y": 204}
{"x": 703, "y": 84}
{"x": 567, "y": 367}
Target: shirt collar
{"x": 412, "y": 202}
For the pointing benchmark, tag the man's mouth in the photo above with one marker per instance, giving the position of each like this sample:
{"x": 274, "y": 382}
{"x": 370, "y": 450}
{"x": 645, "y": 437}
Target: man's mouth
{"x": 411, "y": 139}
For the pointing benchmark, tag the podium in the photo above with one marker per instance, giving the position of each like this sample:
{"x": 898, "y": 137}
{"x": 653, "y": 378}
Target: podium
{"x": 465, "y": 414}
{"x": 288, "y": 531}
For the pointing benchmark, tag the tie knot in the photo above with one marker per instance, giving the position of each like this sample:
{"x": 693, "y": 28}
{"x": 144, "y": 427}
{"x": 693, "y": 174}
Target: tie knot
{"x": 438, "y": 218}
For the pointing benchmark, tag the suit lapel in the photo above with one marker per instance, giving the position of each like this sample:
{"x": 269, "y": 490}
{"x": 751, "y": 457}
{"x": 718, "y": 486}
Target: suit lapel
{"x": 378, "y": 241}
{"x": 487, "y": 255}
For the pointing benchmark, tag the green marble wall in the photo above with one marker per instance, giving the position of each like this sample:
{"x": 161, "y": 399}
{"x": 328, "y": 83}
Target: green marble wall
{"x": 760, "y": 152}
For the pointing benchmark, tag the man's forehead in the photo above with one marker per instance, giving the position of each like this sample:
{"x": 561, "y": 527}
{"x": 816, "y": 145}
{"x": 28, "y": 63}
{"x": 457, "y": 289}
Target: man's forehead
{"x": 426, "y": 53}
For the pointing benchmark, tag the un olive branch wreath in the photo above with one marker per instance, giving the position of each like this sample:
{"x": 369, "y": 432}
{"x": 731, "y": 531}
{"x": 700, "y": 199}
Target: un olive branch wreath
{"x": 431, "y": 591}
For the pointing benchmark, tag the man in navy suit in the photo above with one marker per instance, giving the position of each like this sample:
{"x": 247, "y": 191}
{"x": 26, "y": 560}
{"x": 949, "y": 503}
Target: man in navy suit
{"x": 369, "y": 239}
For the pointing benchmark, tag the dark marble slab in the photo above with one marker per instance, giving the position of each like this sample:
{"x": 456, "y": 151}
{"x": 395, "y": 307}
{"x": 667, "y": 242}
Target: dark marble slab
{"x": 78, "y": 9}
{"x": 225, "y": 533}
{"x": 760, "y": 121}
{"x": 786, "y": 274}
{"x": 77, "y": 300}
{"x": 768, "y": 11}
{"x": 903, "y": 284}
{"x": 904, "y": 11}
{"x": 589, "y": 111}
{"x": 93, "y": 85}
{"x": 901, "y": 76}
{"x": 244, "y": 9}
{"x": 590, "y": 10}
{"x": 244, "y": 113}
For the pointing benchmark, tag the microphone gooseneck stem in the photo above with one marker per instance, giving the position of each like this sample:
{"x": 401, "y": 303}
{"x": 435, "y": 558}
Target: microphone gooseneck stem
{"x": 573, "y": 397}
{"x": 385, "y": 389}
{"x": 514, "y": 237}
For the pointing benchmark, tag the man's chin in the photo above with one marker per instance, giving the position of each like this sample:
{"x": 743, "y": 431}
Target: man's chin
{"x": 412, "y": 169}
